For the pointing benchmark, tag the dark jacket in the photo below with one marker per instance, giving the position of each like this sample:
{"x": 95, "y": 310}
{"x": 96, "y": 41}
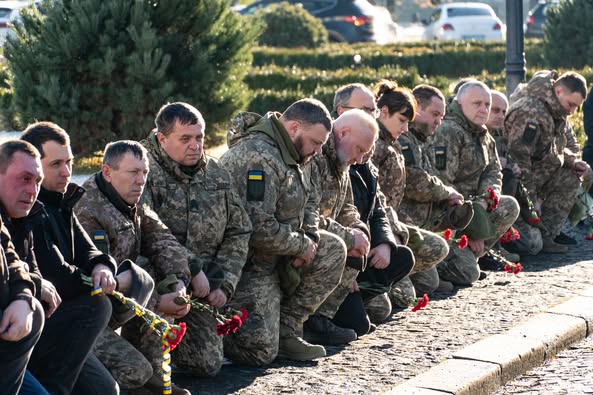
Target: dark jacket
{"x": 14, "y": 277}
{"x": 364, "y": 179}
{"x": 63, "y": 249}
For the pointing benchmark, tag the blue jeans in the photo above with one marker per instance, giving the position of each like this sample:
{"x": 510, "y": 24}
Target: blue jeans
{"x": 31, "y": 386}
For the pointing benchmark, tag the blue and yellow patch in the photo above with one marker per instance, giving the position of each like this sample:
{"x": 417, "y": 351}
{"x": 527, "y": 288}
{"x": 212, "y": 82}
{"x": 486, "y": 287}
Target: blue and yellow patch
{"x": 440, "y": 157}
{"x": 530, "y": 132}
{"x": 99, "y": 236}
{"x": 256, "y": 185}
{"x": 408, "y": 154}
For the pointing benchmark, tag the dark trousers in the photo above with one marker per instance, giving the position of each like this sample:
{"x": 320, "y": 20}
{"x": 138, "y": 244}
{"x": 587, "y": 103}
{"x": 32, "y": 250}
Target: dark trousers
{"x": 66, "y": 342}
{"x": 352, "y": 313}
{"x": 15, "y": 355}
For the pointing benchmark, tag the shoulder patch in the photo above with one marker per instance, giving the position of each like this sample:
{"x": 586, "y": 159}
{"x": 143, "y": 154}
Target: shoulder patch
{"x": 408, "y": 154}
{"x": 530, "y": 132}
{"x": 256, "y": 185}
{"x": 440, "y": 157}
{"x": 101, "y": 242}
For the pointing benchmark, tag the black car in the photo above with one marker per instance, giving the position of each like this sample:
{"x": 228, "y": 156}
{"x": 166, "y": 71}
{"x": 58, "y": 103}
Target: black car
{"x": 345, "y": 20}
{"x": 536, "y": 19}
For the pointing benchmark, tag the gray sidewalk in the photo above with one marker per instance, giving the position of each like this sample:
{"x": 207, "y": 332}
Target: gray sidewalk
{"x": 469, "y": 341}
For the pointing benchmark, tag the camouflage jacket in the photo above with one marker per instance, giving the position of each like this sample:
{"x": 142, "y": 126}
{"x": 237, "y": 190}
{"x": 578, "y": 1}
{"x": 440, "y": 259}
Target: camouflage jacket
{"x": 332, "y": 201}
{"x": 424, "y": 190}
{"x": 202, "y": 210}
{"x": 264, "y": 165}
{"x": 464, "y": 155}
{"x": 127, "y": 232}
{"x": 536, "y": 129}
{"x": 389, "y": 159}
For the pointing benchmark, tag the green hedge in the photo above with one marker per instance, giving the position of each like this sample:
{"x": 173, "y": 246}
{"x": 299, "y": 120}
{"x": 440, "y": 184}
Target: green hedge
{"x": 448, "y": 59}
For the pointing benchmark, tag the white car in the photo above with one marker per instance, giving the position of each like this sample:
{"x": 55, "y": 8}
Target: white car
{"x": 464, "y": 21}
{"x": 9, "y": 13}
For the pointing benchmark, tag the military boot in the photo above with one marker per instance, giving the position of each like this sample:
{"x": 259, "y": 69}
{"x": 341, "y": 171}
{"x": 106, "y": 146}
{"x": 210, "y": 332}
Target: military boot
{"x": 292, "y": 346}
{"x": 320, "y": 330}
{"x": 551, "y": 247}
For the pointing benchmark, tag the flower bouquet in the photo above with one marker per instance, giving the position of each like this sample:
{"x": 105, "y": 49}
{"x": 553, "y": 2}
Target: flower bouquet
{"x": 228, "y": 319}
{"x": 170, "y": 334}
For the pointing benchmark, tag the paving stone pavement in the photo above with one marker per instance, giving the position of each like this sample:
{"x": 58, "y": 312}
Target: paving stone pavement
{"x": 569, "y": 373}
{"x": 411, "y": 343}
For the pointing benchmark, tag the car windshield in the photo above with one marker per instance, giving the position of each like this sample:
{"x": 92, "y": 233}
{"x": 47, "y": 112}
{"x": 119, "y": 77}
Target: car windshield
{"x": 5, "y": 13}
{"x": 453, "y": 12}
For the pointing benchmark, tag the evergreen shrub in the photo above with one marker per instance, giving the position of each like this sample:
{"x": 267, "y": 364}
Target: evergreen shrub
{"x": 102, "y": 68}
{"x": 291, "y": 26}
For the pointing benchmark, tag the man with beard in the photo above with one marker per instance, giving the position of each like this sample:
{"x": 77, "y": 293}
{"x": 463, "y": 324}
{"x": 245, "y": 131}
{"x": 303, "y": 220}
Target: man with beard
{"x": 353, "y": 136}
{"x": 539, "y": 134}
{"x": 265, "y": 158}
{"x": 194, "y": 196}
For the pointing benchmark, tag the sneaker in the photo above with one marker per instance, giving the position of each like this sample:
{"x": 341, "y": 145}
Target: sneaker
{"x": 320, "y": 330}
{"x": 565, "y": 239}
{"x": 297, "y": 349}
{"x": 551, "y": 247}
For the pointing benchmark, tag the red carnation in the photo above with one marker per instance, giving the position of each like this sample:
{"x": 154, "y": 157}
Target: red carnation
{"x": 447, "y": 234}
{"x": 463, "y": 242}
{"x": 421, "y": 303}
{"x": 175, "y": 334}
{"x": 243, "y": 314}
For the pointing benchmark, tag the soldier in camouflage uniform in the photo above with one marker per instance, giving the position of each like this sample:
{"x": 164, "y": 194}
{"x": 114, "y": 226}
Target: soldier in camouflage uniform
{"x": 464, "y": 155}
{"x": 397, "y": 108}
{"x": 537, "y": 130}
{"x": 194, "y": 196}
{"x": 426, "y": 196}
{"x": 110, "y": 211}
{"x": 265, "y": 159}
{"x": 353, "y": 136}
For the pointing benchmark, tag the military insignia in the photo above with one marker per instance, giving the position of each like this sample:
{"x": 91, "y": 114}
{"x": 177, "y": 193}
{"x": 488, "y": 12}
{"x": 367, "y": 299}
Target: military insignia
{"x": 440, "y": 158}
{"x": 256, "y": 185}
{"x": 530, "y": 132}
{"x": 408, "y": 154}
{"x": 100, "y": 241}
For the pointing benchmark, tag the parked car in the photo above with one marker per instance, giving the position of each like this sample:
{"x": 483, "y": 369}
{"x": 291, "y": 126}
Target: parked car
{"x": 464, "y": 21}
{"x": 10, "y": 13}
{"x": 345, "y": 20}
{"x": 536, "y": 19}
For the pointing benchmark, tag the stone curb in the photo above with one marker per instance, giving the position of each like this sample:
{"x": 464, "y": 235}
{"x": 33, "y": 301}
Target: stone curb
{"x": 483, "y": 367}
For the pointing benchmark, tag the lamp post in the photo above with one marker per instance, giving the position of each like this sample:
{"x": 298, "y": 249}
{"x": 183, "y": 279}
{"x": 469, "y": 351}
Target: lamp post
{"x": 515, "y": 55}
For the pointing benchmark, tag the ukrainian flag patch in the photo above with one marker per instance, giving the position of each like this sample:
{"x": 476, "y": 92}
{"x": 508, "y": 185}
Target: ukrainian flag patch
{"x": 440, "y": 158}
{"x": 256, "y": 185}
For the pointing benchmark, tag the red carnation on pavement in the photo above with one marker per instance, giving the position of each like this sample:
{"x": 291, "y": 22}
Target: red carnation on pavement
{"x": 421, "y": 303}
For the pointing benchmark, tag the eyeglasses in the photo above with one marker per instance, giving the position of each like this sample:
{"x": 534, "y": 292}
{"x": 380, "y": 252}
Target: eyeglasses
{"x": 372, "y": 111}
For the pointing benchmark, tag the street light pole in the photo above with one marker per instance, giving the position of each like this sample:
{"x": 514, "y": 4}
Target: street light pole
{"x": 515, "y": 55}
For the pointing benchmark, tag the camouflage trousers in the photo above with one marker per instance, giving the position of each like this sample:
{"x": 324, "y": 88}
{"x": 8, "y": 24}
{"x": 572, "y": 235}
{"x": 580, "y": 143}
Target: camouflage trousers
{"x": 461, "y": 265}
{"x": 531, "y": 242}
{"x": 258, "y": 291}
{"x": 559, "y": 194}
{"x": 428, "y": 254}
{"x": 126, "y": 364}
{"x": 378, "y": 308}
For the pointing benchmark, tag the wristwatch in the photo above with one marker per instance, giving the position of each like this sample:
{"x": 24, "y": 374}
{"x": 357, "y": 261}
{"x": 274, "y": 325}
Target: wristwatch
{"x": 26, "y": 298}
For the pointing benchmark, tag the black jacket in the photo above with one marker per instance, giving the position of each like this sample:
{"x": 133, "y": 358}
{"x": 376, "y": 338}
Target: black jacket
{"x": 63, "y": 249}
{"x": 364, "y": 188}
